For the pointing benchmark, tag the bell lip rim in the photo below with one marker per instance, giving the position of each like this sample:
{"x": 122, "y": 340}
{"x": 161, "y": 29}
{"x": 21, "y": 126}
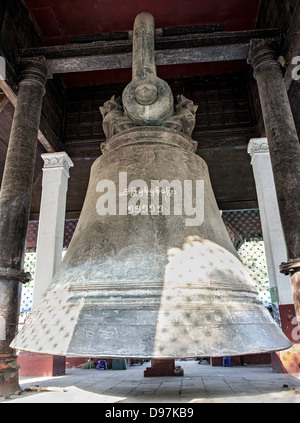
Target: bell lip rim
{"x": 162, "y": 357}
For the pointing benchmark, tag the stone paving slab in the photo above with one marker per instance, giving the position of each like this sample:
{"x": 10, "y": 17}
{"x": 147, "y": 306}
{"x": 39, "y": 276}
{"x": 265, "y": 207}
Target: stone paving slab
{"x": 200, "y": 384}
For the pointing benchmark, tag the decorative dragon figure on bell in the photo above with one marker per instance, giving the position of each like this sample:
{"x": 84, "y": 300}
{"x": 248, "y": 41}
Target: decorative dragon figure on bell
{"x": 116, "y": 120}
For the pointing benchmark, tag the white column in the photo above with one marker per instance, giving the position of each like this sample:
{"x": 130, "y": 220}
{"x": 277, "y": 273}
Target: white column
{"x": 270, "y": 219}
{"x": 51, "y": 220}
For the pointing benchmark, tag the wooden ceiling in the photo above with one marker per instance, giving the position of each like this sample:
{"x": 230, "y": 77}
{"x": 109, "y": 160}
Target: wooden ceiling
{"x": 228, "y": 112}
{"x": 58, "y": 20}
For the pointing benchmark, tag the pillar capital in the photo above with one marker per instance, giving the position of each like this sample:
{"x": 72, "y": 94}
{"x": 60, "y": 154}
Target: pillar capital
{"x": 263, "y": 54}
{"x": 34, "y": 72}
{"x": 58, "y": 160}
{"x": 257, "y": 146}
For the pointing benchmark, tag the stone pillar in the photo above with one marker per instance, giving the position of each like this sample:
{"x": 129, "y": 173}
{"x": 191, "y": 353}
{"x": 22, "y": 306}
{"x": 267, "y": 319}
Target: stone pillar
{"x": 51, "y": 220}
{"x": 284, "y": 151}
{"x": 271, "y": 226}
{"x": 49, "y": 253}
{"x": 15, "y": 200}
{"x": 284, "y": 154}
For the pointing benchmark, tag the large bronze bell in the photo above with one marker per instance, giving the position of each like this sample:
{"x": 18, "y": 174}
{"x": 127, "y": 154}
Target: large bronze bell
{"x": 151, "y": 270}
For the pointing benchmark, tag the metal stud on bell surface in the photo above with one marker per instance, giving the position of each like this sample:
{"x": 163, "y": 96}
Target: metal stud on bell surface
{"x": 151, "y": 270}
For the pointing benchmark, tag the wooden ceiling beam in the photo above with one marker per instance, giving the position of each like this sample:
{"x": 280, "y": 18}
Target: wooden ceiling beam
{"x": 162, "y": 57}
{"x": 169, "y": 50}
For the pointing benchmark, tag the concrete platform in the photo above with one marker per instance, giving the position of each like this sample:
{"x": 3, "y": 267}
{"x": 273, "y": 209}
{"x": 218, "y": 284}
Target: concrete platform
{"x": 201, "y": 383}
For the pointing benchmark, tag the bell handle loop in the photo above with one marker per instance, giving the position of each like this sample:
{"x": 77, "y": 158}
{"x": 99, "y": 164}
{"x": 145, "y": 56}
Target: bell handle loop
{"x": 143, "y": 62}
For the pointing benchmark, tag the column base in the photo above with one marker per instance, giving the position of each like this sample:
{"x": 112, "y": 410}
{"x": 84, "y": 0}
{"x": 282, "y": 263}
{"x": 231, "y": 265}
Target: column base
{"x": 163, "y": 367}
{"x": 41, "y": 365}
{"x": 9, "y": 380}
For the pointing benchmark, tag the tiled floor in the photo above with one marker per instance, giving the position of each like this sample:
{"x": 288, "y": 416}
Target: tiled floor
{"x": 201, "y": 383}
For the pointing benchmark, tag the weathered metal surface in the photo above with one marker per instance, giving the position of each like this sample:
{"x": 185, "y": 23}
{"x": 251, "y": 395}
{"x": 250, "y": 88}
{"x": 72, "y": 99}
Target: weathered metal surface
{"x": 149, "y": 286}
{"x": 147, "y": 99}
{"x": 150, "y": 273}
